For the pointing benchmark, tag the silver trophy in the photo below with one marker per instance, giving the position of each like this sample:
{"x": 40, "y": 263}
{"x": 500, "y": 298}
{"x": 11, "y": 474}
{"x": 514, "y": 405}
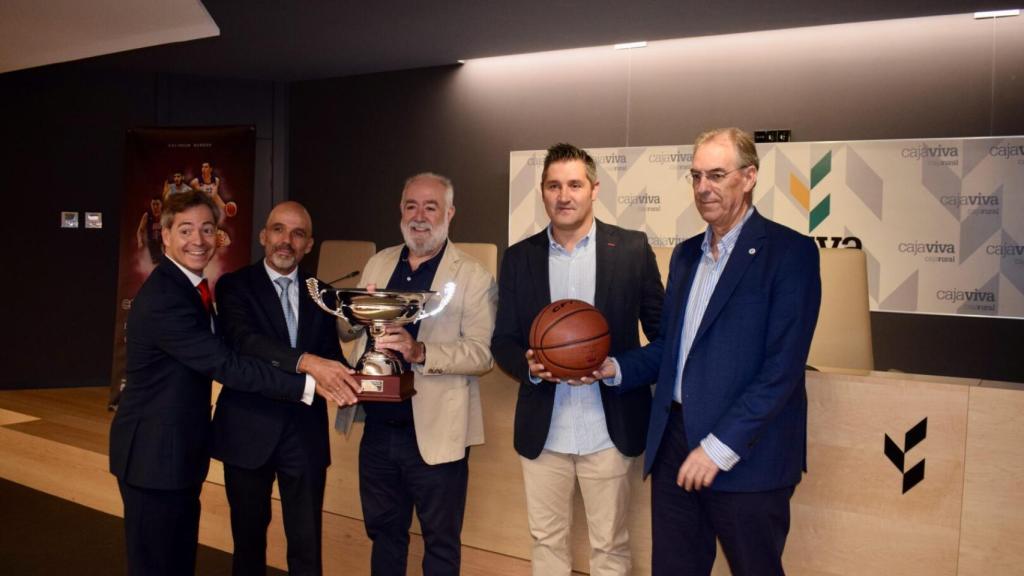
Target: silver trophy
{"x": 380, "y": 371}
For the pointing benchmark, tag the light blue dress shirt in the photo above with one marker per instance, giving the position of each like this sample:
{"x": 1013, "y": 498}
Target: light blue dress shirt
{"x": 705, "y": 280}
{"x": 578, "y": 424}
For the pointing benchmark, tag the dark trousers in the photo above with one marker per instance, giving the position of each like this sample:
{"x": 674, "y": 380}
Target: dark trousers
{"x": 752, "y": 526}
{"x": 161, "y": 529}
{"x": 394, "y": 479}
{"x": 302, "y": 497}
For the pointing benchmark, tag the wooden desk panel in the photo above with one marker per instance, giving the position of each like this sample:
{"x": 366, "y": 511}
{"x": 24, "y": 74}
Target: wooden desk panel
{"x": 850, "y": 515}
{"x": 992, "y": 533}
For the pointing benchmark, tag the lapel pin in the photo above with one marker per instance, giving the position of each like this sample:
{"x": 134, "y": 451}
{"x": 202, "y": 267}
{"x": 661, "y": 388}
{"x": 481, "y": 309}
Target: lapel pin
{"x": 752, "y": 251}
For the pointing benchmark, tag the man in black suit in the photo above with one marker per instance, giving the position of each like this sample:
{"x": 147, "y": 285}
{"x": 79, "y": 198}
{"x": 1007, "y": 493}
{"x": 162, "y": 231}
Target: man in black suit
{"x": 159, "y": 436}
{"x": 570, "y": 431}
{"x": 258, "y": 437}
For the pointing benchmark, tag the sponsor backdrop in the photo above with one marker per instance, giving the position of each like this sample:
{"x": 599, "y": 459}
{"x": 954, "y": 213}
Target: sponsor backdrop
{"x": 941, "y": 221}
{"x": 154, "y": 156}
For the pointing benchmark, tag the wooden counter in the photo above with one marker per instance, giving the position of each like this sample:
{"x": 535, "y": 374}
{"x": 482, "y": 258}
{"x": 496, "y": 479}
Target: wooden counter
{"x": 850, "y": 513}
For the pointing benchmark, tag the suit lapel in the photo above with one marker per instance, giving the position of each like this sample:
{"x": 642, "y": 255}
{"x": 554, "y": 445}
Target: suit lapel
{"x": 689, "y": 259}
{"x": 269, "y": 301}
{"x": 307, "y": 312}
{"x": 743, "y": 253}
{"x": 178, "y": 277}
{"x": 447, "y": 269}
{"x": 607, "y": 240}
{"x": 537, "y": 265}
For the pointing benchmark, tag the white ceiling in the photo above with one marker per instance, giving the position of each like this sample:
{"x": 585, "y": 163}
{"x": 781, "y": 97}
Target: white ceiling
{"x": 289, "y": 40}
{"x": 39, "y": 32}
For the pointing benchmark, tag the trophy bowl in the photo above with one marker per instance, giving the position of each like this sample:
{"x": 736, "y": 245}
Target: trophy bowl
{"x": 380, "y": 372}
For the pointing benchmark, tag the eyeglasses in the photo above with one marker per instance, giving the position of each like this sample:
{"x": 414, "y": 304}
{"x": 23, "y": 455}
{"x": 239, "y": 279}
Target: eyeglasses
{"x": 714, "y": 177}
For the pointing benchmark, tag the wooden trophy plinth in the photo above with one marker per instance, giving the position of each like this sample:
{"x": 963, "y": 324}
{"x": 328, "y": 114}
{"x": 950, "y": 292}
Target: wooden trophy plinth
{"x": 393, "y": 388}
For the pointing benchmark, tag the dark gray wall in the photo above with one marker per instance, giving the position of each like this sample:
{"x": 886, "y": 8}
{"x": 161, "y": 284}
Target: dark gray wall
{"x": 63, "y": 148}
{"x": 354, "y": 140}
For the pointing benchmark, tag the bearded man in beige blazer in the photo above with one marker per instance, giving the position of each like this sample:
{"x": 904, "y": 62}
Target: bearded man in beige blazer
{"x": 414, "y": 454}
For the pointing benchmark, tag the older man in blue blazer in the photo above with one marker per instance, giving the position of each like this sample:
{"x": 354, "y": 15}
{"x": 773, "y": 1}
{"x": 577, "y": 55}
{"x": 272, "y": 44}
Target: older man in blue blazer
{"x": 728, "y": 430}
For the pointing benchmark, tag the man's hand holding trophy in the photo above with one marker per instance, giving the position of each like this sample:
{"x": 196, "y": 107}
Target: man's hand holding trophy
{"x": 383, "y": 313}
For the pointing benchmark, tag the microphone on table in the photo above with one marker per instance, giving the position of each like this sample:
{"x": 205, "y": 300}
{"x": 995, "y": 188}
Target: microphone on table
{"x": 351, "y": 274}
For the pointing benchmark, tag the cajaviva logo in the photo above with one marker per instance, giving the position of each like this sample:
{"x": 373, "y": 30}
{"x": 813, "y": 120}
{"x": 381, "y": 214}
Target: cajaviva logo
{"x": 926, "y": 151}
{"x": 605, "y": 159}
{"x": 644, "y": 198}
{"x": 1007, "y": 151}
{"x": 670, "y": 158}
{"x": 969, "y": 296}
{"x": 1005, "y": 250}
{"x": 802, "y": 193}
{"x": 935, "y": 247}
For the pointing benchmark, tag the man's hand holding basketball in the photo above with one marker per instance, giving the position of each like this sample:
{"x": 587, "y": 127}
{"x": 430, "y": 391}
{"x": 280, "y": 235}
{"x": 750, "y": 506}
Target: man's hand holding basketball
{"x": 537, "y": 370}
{"x": 606, "y": 371}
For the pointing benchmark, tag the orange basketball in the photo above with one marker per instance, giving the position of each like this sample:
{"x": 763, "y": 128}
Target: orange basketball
{"x": 230, "y": 209}
{"x": 570, "y": 338}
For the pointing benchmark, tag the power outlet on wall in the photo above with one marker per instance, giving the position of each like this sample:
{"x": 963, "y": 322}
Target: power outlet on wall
{"x": 771, "y": 136}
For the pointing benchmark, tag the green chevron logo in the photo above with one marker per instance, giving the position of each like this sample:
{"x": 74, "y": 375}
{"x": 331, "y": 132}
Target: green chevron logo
{"x": 802, "y": 193}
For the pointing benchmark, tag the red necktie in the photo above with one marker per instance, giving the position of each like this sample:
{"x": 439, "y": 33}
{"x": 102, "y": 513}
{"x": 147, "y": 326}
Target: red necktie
{"x": 204, "y": 294}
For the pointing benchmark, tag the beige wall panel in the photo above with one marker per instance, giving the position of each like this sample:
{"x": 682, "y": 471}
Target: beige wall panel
{"x": 496, "y": 505}
{"x": 849, "y": 513}
{"x": 993, "y": 525}
{"x": 827, "y": 541}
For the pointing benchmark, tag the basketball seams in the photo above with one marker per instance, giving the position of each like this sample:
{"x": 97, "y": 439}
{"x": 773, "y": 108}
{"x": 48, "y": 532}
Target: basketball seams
{"x": 561, "y": 319}
{"x": 564, "y": 351}
{"x": 581, "y": 341}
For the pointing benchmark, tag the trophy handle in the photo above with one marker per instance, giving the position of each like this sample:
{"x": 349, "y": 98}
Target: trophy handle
{"x": 446, "y": 297}
{"x": 318, "y": 296}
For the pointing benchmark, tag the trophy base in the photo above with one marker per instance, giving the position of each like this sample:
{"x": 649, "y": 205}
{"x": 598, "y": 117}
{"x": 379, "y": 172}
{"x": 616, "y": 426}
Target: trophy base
{"x": 393, "y": 388}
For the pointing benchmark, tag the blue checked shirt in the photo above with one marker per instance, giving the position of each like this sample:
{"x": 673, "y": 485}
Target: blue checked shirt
{"x": 578, "y": 424}
{"x": 704, "y": 281}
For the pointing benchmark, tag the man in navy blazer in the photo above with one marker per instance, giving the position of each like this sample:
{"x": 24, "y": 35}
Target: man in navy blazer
{"x": 260, "y": 438}
{"x": 159, "y": 438}
{"x": 727, "y": 441}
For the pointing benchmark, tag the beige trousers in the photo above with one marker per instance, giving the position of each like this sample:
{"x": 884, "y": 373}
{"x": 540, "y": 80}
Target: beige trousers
{"x": 604, "y": 480}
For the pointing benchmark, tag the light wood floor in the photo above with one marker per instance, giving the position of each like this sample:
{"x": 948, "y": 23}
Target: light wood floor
{"x": 55, "y": 441}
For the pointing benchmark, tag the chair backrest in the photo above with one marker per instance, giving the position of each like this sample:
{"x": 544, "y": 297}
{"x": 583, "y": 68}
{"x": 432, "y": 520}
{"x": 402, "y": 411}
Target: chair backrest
{"x": 842, "y": 338}
{"x": 486, "y": 254}
{"x": 341, "y": 257}
{"x": 338, "y": 258}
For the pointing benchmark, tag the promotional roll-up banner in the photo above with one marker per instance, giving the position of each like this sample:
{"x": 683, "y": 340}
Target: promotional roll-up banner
{"x": 162, "y": 162}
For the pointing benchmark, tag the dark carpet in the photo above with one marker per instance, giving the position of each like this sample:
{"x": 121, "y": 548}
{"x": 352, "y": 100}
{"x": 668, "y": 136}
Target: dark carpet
{"x": 43, "y": 534}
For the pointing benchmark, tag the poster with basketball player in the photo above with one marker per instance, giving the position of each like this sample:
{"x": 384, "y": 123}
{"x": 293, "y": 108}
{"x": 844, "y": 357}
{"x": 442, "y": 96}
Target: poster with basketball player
{"x": 160, "y": 163}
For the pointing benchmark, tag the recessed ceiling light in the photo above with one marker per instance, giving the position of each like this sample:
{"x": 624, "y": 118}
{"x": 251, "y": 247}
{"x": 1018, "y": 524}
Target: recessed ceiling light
{"x": 630, "y": 45}
{"x": 996, "y": 14}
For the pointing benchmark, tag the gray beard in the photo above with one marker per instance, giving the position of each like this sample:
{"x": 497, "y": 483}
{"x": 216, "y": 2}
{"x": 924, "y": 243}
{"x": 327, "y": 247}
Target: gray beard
{"x": 428, "y": 246}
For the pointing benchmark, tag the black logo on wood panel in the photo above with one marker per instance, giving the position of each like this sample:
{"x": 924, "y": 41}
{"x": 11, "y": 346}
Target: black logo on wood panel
{"x": 912, "y": 438}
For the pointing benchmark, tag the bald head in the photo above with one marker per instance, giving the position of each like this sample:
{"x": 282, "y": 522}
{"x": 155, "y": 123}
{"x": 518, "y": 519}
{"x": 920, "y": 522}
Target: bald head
{"x": 291, "y": 207}
{"x": 287, "y": 236}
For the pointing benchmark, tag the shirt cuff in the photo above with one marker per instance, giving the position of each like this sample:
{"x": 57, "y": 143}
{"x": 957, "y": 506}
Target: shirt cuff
{"x": 535, "y": 380}
{"x": 720, "y": 454}
{"x": 617, "y": 379}
{"x": 308, "y": 393}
